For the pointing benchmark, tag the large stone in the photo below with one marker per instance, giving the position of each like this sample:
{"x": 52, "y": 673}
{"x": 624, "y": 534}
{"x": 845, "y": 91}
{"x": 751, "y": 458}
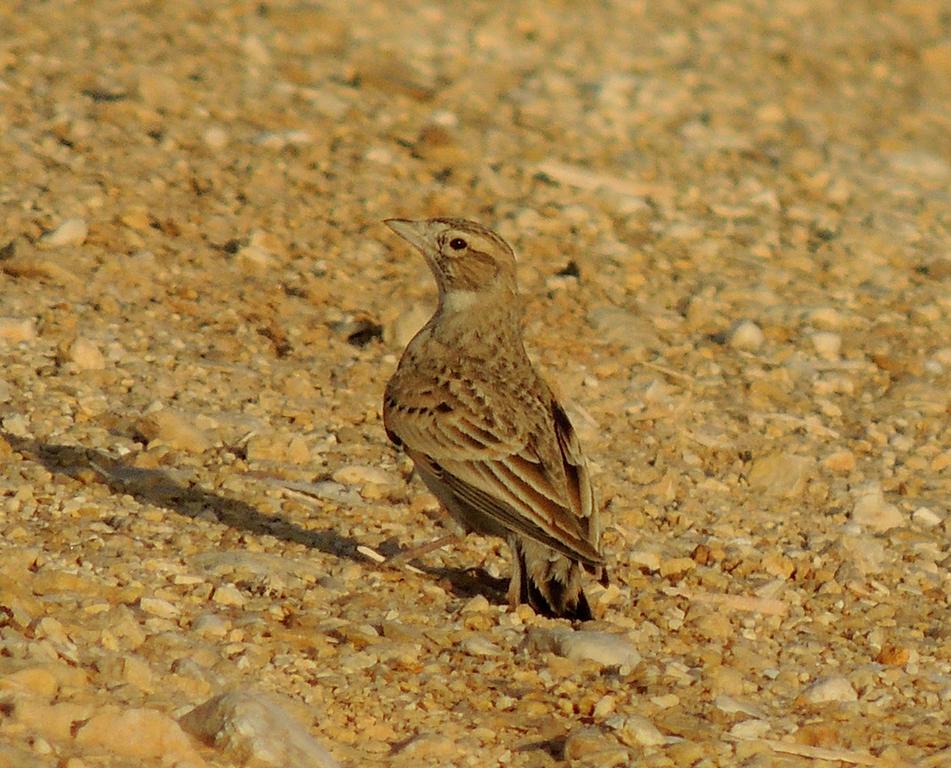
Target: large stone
{"x": 249, "y": 727}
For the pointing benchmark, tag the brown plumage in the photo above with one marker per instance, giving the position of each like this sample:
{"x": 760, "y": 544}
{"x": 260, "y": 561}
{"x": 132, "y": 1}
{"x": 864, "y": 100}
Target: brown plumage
{"x": 484, "y": 431}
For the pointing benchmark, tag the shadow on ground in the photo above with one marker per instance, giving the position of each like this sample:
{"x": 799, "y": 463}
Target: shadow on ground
{"x": 157, "y": 488}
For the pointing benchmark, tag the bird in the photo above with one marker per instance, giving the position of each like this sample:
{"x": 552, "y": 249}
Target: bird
{"x": 485, "y": 432}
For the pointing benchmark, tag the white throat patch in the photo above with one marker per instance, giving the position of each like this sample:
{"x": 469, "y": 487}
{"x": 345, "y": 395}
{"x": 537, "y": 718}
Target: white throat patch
{"x": 459, "y": 301}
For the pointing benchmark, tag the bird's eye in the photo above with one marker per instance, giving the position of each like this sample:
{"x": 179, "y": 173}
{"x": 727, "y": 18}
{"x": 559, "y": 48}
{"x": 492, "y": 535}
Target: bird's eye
{"x": 458, "y": 244}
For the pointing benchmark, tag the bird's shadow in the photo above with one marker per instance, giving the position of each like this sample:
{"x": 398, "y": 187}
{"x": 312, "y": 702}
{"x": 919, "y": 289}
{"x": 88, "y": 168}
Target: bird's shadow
{"x": 158, "y": 488}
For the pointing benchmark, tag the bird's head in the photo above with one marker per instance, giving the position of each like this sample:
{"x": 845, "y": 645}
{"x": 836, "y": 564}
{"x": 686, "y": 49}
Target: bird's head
{"x": 472, "y": 265}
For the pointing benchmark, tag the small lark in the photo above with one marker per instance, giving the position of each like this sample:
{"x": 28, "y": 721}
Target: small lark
{"x": 484, "y": 431}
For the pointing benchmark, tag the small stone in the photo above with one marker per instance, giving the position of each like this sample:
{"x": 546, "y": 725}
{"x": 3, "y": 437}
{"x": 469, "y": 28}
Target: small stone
{"x": 254, "y": 258}
{"x": 216, "y": 137}
{"x": 360, "y": 474}
{"x": 250, "y": 727}
{"x": 731, "y": 706}
{"x": 841, "y": 462}
{"x": 591, "y": 747}
{"x": 14, "y": 329}
{"x": 828, "y": 345}
{"x": 431, "y": 746}
{"x": 157, "y": 607}
{"x": 747, "y": 336}
{"x": 893, "y": 655}
{"x": 136, "y": 734}
{"x": 211, "y": 625}
{"x": 479, "y": 646}
{"x": 477, "y": 604}
{"x": 780, "y": 474}
{"x": 136, "y": 672}
{"x": 70, "y": 232}
{"x": 635, "y": 729}
{"x": 825, "y": 318}
{"x": 646, "y": 558}
{"x": 85, "y": 355}
{"x": 873, "y": 511}
{"x": 279, "y": 447}
{"x": 750, "y": 729}
{"x": 601, "y": 647}
{"x": 174, "y": 430}
{"x": 160, "y": 92}
{"x": 36, "y": 681}
{"x": 228, "y": 594}
{"x": 926, "y": 518}
{"x": 676, "y": 566}
{"x": 829, "y": 689}
{"x": 615, "y": 325}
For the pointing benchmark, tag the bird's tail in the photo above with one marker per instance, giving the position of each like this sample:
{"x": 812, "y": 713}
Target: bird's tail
{"x": 549, "y": 582}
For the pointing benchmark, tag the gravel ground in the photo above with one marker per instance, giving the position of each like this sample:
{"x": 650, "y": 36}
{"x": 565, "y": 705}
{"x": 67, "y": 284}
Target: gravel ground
{"x": 732, "y": 220}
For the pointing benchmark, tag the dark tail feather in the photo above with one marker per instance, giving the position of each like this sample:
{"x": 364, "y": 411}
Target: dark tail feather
{"x": 553, "y": 589}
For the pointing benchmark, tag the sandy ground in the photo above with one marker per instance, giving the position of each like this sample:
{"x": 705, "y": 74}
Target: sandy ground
{"x": 732, "y": 221}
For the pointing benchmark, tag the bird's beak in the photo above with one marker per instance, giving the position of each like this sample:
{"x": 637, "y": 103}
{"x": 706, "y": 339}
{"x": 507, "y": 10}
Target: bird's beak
{"x": 415, "y": 232}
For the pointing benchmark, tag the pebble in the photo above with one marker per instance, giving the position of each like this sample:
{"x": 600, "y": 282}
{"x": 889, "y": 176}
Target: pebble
{"x": 278, "y": 446}
{"x": 747, "y": 336}
{"x": 36, "y": 681}
{"x": 589, "y": 746}
{"x": 430, "y": 746}
{"x": 157, "y": 607}
{"x": 619, "y": 326}
{"x": 85, "y": 355}
{"x": 840, "y": 462}
{"x": 70, "y": 232}
{"x": 161, "y": 92}
{"x": 750, "y": 729}
{"x": 361, "y": 474}
{"x": 872, "y": 511}
{"x": 828, "y": 345}
{"x": 216, "y": 137}
{"x": 635, "y": 729}
{"x": 211, "y": 625}
{"x": 829, "y": 689}
{"x": 14, "y": 329}
{"x": 926, "y": 518}
{"x": 248, "y": 726}
{"x": 601, "y": 647}
{"x": 175, "y": 430}
{"x": 228, "y": 594}
{"x": 825, "y": 318}
{"x": 479, "y": 646}
{"x": 780, "y": 474}
{"x": 136, "y": 734}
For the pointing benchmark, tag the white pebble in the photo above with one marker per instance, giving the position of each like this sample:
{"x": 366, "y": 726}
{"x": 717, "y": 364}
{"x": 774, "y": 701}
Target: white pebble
{"x": 750, "y": 729}
{"x": 747, "y": 336}
{"x": 85, "y": 355}
{"x": 829, "y": 689}
{"x": 873, "y": 511}
{"x": 216, "y": 137}
{"x": 70, "y": 232}
{"x": 250, "y": 727}
{"x": 635, "y": 729}
{"x": 15, "y": 329}
{"x": 602, "y": 647}
{"x": 828, "y": 345}
{"x": 158, "y": 607}
{"x": 228, "y": 594}
{"x": 926, "y": 518}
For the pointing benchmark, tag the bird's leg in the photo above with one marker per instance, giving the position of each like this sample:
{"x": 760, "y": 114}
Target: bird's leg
{"x": 423, "y": 549}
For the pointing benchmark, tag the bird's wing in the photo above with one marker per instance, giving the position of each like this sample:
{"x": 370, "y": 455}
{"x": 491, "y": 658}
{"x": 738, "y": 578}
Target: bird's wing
{"x": 527, "y": 474}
